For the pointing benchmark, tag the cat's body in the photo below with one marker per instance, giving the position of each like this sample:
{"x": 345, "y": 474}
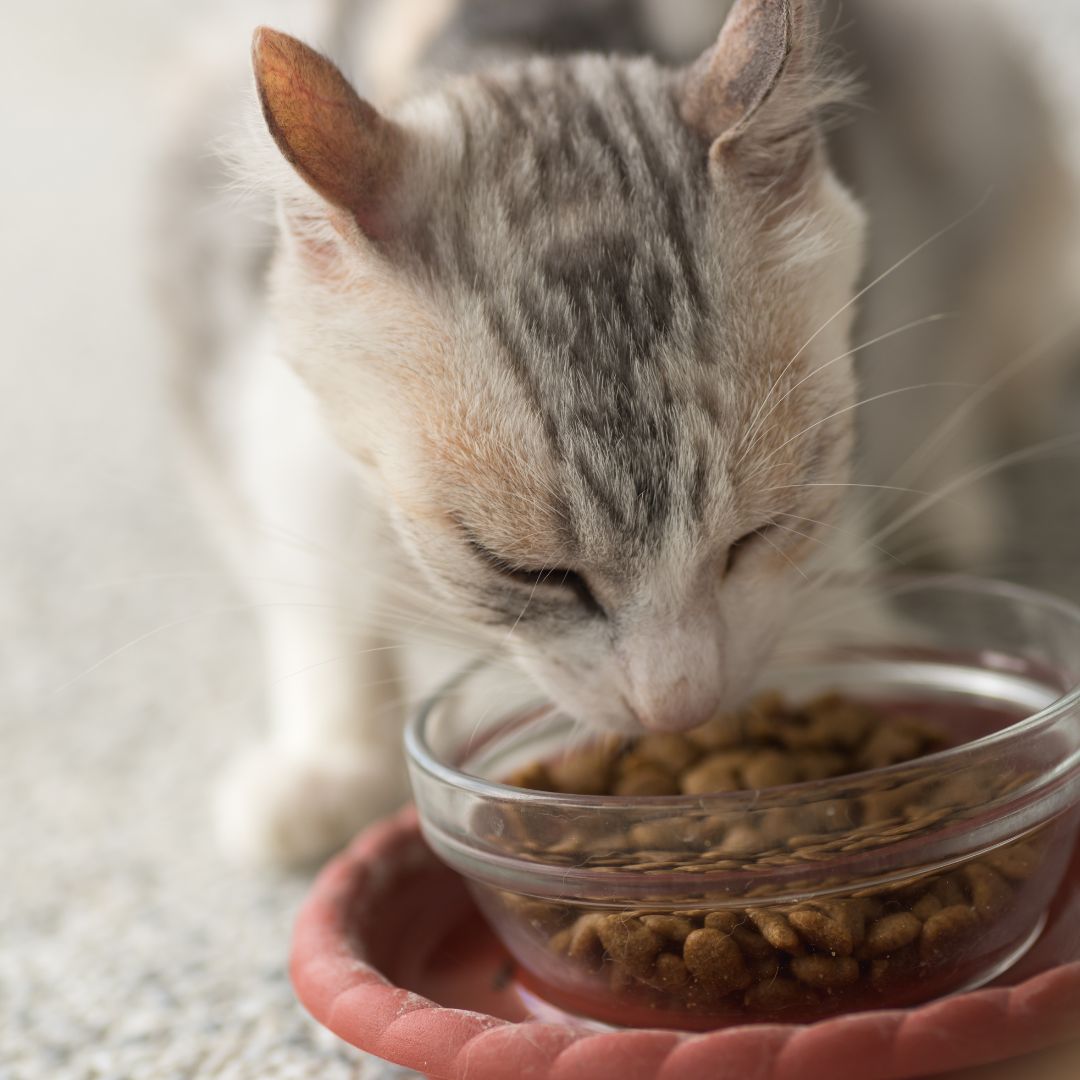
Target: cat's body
{"x": 595, "y": 395}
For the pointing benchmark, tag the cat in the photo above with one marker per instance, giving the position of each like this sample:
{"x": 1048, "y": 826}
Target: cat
{"x": 555, "y": 351}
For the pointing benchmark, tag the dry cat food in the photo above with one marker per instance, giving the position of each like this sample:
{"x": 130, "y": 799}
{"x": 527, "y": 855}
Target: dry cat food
{"x": 858, "y": 946}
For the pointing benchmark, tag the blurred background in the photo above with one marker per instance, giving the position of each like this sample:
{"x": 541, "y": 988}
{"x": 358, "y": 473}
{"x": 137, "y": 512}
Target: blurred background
{"x": 128, "y": 669}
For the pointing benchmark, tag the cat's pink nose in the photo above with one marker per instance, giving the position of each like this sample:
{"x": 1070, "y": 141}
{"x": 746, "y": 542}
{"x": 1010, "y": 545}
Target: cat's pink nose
{"x": 679, "y": 707}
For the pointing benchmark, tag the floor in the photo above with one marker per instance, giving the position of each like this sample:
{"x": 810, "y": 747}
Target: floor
{"x": 127, "y": 662}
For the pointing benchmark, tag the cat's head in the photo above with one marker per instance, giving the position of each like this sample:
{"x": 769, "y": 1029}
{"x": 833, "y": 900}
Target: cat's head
{"x": 584, "y": 322}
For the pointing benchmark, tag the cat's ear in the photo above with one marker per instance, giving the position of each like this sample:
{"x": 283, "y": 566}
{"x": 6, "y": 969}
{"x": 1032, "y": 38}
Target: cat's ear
{"x": 756, "y": 93}
{"x": 342, "y": 147}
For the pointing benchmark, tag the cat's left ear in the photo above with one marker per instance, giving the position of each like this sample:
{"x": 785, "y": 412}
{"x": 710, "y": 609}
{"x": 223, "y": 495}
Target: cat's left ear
{"x": 757, "y": 92}
{"x": 342, "y": 147}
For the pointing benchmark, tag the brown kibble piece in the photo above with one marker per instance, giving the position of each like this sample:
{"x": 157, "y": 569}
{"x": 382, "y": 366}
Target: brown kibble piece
{"x": 674, "y": 752}
{"x": 962, "y": 790}
{"x": 930, "y": 738}
{"x": 891, "y": 934}
{"x": 739, "y": 842}
{"x": 645, "y": 780}
{"x": 714, "y": 959}
{"x": 629, "y": 942}
{"x": 826, "y": 972}
{"x": 926, "y": 906}
{"x": 949, "y": 890}
{"x": 584, "y": 944}
{"x": 766, "y": 967}
{"x": 724, "y": 921}
{"x": 837, "y": 723}
{"x": 584, "y": 772}
{"x": 534, "y": 777}
{"x": 829, "y": 934}
{"x": 719, "y": 734}
{"x": 540, "y": 914}
{"x": 779, "y": 824}
{"x": 888, "y": 745}
{"x": 710, "y": 776}
{"x": 770, "y": 769}
{"x": 670, "y": 973}
{"x": 669, "y": 927}
{"x": 777, "y": 931}
{"x": 560, "y": 942}
{"x": 753, "y": 945}
{"x": 991, "y": 894}
{"x": 1017, "y": 862}
{"x": 666, "y": 834}
{"x": 945, "y": 932}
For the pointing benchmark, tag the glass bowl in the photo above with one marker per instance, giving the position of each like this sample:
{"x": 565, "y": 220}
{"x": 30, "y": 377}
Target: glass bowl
{"x": 875, "y": 890}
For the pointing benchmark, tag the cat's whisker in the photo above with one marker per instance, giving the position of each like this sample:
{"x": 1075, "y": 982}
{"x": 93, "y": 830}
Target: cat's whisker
{"x": 798, "y": 532}
{"x": 1038, "y": 351}
{"x": 545, "y": 572}
{"x": 839, "y": 529}
{"x": 917, "y": 250}
{"x": 355, "y": 621}
{"x": 1017, "y": 457}
{"x": 852, "y": 484}
{"x": 784, "y": 555}
{"x": 859, "y": 405}
{"x": 172, "y": 625}
{"x": 940, "y": 317}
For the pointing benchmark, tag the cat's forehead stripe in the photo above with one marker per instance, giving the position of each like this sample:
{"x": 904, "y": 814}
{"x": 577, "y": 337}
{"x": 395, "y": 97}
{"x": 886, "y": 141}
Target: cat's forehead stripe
{"x": 570, "y": 226}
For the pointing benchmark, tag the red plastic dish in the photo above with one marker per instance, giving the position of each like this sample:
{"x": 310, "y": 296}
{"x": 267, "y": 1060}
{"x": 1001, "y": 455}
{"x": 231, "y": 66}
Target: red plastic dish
{"x": 391, "y": 955}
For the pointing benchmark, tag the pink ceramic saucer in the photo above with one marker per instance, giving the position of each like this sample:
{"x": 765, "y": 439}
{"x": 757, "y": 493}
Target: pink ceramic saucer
{"x": 390, "y": 954}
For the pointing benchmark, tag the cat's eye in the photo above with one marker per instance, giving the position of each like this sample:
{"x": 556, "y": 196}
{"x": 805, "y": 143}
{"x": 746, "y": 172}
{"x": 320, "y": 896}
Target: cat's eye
{"x": 540, "y": 579}
{"x": 741, "y": 545}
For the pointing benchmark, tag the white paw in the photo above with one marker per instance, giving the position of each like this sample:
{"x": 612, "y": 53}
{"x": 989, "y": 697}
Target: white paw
{"x": 276, "y": 807}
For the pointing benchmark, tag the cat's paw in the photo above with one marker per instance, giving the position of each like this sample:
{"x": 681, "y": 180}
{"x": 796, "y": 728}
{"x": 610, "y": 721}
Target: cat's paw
{"x": 276, "y": 808}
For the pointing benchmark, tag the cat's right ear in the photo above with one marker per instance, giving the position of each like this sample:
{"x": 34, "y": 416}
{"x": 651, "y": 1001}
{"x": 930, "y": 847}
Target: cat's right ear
{"x": 342, "y": 147}
{"x": 756, "y": 94}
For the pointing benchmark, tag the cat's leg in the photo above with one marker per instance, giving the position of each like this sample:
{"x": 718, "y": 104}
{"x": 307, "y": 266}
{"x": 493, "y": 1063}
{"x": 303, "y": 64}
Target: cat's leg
{"x": 331, "y": 761}
{"x": 304, "y": 540}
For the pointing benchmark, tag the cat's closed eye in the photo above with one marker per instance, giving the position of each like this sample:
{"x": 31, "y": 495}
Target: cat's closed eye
{"x": 548, "y": 578}
{"x": 744, "y": 543}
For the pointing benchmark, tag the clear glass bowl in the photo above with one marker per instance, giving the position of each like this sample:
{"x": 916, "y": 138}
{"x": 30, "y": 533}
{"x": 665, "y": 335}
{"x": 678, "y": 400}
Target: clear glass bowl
{"x": 875, "y": 890}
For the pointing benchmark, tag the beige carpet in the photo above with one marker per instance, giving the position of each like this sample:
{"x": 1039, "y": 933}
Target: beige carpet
{"x": 127, "y": 665}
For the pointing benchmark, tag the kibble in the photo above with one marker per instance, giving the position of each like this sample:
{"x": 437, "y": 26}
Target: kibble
{"x": 926, "y": 906}
{"x": 829, "y": 934}
{"x": 891, "y": 934}
{"x": 990, "y": 893}
{"x": 629, "y": 942}
{"x": 646, "y": 779}
{"x": 669, "y": 927}
{"x": 671, "y": 974}
{"x": 777, "y": 931}
{"x": 713, "y": 775}
{"x": 585, "y": 772}
{"x": 584, "y": 944}
{"x": 797, "y": 959}
{"x": 674, "y": 752}
{"x": 715, "y": 960}
{"x": 944, "y": 933}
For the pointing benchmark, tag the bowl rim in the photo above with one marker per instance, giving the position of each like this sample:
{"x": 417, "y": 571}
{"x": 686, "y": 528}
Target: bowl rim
{"x": 420, "y": 755}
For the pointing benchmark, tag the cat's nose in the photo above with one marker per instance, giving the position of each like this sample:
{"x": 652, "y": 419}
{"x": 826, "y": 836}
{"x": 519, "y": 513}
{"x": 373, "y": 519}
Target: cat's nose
{"x": 679, "y": 706}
